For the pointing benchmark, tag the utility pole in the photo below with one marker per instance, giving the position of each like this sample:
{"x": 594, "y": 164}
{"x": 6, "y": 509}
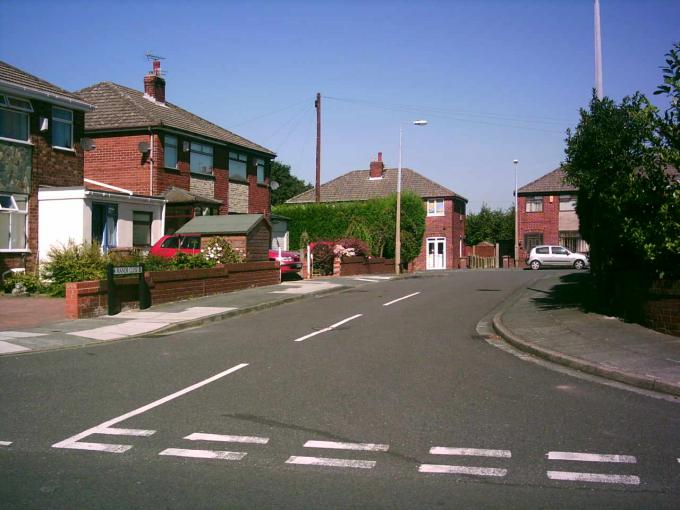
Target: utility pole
{"x": 317, "y": 105}
{"x": 598, "y": 52}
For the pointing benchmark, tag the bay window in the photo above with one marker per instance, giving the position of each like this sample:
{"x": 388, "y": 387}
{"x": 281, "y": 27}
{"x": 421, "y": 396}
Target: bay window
{"x": 13, "y": 216}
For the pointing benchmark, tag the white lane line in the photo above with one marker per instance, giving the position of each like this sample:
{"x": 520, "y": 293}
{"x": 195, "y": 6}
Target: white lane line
{"x": 8, "y": 348}
{"x": 126, "y": 432}
{"x": 593, "y": 477}
{"x": 470, "y": 452}
{"x": 591, "y": 457}
{"x": 368, "y": 447}
{"x": 401, "y": 299}
{"x": 329, "y": 328}
{"x": 323, "y": 461}
{"x": 72, "y": 442}
{"x": 5, "y": 443}
{"x": 199, "y": 436}
{"x": 365, "y": 280}
{"x": 203, "y": 454}
{"x": 462, "y": 470}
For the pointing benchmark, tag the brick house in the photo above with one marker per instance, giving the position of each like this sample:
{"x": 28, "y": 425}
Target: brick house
{"x": 150, "y": 146}
{"x": 443, "y": 243}
{"x": 41, "y": 126}
{"x": 547, "y": 214}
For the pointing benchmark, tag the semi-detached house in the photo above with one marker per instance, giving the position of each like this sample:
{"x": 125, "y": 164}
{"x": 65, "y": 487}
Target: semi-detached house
{"x": 443, "y": 243}
{"x": 149, "y": 146}
{"x": 41, "y": 126}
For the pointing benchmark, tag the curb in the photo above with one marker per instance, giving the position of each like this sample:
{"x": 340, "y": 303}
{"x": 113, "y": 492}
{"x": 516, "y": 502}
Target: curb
{"x": 637, "y": 380}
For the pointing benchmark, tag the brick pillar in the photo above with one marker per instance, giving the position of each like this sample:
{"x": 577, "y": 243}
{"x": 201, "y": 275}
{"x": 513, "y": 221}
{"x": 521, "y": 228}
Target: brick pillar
{"x": 336, "y": 266}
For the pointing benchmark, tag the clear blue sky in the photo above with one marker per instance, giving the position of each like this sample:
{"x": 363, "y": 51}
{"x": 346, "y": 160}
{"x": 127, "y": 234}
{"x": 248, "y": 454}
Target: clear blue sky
{"x": 497, "y": 80}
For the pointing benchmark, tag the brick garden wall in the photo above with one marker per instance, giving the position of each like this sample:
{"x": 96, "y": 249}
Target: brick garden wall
{"x": 662, "y": 307}
{"x": 350, "y": 266}
{"x": 90, "y": 299}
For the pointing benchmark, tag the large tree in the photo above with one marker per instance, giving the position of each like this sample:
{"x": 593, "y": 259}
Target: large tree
{"x": 289, "y": 185}
{"x": 490, "y": 225}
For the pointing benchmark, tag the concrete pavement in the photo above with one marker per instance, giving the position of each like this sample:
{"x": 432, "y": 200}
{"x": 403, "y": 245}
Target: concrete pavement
{"x": 547, "y": 320}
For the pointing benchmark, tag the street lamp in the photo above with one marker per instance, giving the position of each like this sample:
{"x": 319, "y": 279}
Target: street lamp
{"x": 397, "y": 237}
{"x": 515, "y": 162}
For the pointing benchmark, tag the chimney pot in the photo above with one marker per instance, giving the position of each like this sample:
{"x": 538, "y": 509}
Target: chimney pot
{"x": 377, "y": 168}
{"x": 154, "y": 84}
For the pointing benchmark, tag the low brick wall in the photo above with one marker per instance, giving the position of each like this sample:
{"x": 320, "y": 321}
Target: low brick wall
{"x": 90, "y": 299}
{"x": 350, "y": 266}
{"x": 662, "y": 307}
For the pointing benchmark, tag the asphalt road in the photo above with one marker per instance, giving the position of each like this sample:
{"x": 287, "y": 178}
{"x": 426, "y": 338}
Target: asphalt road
{"x": 401, "y": 406}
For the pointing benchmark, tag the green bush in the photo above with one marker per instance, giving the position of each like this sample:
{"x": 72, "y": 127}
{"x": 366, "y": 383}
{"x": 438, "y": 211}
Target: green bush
{"x": 73, "y": 263}
{"x": 30, "y": 281}
{"x": 186, "y": 261}
{"x": 220, "y": 250}
{"x": 323, "y": 257}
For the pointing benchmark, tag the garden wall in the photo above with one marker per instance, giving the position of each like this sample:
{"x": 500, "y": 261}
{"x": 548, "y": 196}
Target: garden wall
{"x": 350, "y": 266}
{"x": 662, "y": 307}
{"x": 90, "y": 299}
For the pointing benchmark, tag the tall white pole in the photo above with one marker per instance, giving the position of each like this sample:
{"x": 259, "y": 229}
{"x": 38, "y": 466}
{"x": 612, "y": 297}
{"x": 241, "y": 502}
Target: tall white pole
{"x": 515, "y": 162}
{"x": 598, "y": 52}
{"x": 397, "y": 234}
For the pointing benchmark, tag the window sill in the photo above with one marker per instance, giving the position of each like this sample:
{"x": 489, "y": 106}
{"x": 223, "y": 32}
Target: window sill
{"x": 209, "y": 177}
{"x": 436, "y": 215}
{"x": 15, "y": 251}
{"x": 263, "y": 185}
{"x": 13, "y": 140}
{"x": 238, "y": 180}
{"x": 171, "y": 169}
{"x": 64, "y": 149}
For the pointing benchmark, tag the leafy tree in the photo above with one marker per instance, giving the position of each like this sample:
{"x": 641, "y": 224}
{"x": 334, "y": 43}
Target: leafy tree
{"x": 289, "y": 185}
{"x": 490, "y": 225}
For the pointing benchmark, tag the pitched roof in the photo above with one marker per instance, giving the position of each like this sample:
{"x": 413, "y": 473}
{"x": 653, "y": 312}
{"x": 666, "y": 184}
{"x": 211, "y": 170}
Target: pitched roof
{"x": 27, "y": 84}
{"x": 120, "y": 107}
{"x": 223, "y": 224}
{"x": 552, "y": 182}
{"x": 176, "y": 195}
{"x": 356, "y": 186}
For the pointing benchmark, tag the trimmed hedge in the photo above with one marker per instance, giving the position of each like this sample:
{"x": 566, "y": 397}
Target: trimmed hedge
{"x": 372, "y": 221}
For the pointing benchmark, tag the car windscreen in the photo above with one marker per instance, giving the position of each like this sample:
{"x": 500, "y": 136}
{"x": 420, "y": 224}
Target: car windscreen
{"x": 170, "y": 242}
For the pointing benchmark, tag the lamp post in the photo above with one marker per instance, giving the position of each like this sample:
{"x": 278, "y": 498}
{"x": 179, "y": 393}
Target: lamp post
{"x": 515, "y": 162}
{"x": 397, "y": 235}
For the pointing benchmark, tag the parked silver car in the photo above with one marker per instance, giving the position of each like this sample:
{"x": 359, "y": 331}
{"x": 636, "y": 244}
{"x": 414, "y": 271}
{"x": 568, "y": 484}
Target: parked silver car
{"x": 555, "y": 256}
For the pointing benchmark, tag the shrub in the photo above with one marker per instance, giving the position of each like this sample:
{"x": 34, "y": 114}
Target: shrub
{"x": 186, "y": 261}
{"x": 30, "y": 281}
{"x": 359, "y": 247}
{"x": 323, "y": 257}
{"x": 221, "y": 251}
{"x": 73, "y": 263}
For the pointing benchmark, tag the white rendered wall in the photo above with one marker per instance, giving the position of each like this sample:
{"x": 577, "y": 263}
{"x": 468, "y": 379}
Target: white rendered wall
{"x": 60, "y": 219}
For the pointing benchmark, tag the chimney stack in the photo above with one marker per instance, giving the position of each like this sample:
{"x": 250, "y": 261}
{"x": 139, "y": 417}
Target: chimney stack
{"x": 377, "y": 168}
{"x": 154, "y": 84}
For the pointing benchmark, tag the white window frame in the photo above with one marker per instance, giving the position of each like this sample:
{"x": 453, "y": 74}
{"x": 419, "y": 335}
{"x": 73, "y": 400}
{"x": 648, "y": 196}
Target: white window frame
{"x": 6, "y": 104}
{"x": 240, "y": 157}
{"x": 433, "y": 209}
{"x": 260, "y": 165}
{"x": 15, "y": 214}
{"x": 534, "y": 204}
{"x": 569, "y": 202}
{"x": 57, "y": 120}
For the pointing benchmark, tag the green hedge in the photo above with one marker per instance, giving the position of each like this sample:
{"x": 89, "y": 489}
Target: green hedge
{"x": 372, "y": 221}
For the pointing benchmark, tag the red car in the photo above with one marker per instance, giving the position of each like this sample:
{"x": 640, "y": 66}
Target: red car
{"x": 289, "y": 260}
{"x": 168, "y": 246}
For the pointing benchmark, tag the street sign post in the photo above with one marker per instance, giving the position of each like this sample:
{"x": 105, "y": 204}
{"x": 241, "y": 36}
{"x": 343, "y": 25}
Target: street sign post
{"x": 143, "y": 290}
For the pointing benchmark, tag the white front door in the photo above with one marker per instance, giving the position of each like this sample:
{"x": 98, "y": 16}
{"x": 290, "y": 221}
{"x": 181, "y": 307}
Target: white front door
{"x": 436, "y": 253}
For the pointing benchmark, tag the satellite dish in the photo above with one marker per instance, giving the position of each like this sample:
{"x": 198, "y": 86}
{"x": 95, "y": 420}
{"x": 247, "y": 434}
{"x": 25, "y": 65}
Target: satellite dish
{"x": 87, "y": 144}
{"x": 274, "y": 185}
{"x": 143, "y": 147}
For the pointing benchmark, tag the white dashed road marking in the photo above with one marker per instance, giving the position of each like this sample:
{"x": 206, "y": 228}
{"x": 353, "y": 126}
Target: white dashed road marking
{"x": 329, "y": 328}
{"x": 126, "y": 432}
{"x": 368, "y": 447}
{"x": 203, "y": 454}
{"x": 470, "y": 452}
{"x": 324, "y": 461}
{"x": 73, "y": 442}
{"x": 8, "y": 348}
{"x": 5, "y": 443}
{"x": 591, "y": 457}
{"x": 462, "y": 470}
{"x": 400, "y": 299}
{"x": 593, "y": 477}
{"x": 199, "y": 436}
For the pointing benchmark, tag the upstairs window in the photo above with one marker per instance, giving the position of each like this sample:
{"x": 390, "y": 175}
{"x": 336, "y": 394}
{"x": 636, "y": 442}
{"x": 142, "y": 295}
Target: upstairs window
{"x": 13, "y": 215}
{"x": 238, "y": 164}
{"x": 170, "y": 151}
{"x": 435, "y": 207}
{"x": 567, "y": 203}
{"x": 534, "y": 204}
{"x": 259, "y": 163}
{"x": 62, "y": 128}
{"x": 14, "y": 118}
{"x": 201, "y": 158}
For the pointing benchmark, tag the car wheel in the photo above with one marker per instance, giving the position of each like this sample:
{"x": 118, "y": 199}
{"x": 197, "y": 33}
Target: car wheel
{"x": 535, "y": 265}
{"x": 579, "y": 265}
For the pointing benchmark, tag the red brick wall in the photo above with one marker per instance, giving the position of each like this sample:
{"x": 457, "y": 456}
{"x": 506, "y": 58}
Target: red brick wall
{"x": 546, "y": 222}
{"x": 350, "y": 266}
{"x": 90, "y": 299}
{"x": 451, "y": 226}
{"x": 662, "y": 308}
{"x": 50, "y": 167}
